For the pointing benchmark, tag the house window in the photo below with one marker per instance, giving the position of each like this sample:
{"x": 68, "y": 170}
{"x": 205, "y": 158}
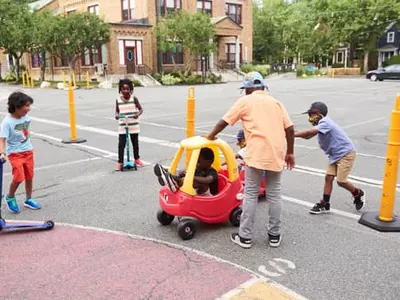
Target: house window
{"x": 231, "y": 53}
{"x": 128, "y": 9}
{"x": 234, "y": 11}
{"x": 170, "y": 6}
{"x": 390, "y": 37}
{"x": 91, "y": 57}
{"x": 35, "y": 59}
{"x": 176, "y": 55}
{"x": 94, "y": 9}
{"x": 204, "y": 6}
{"x": 61, "y": 62}
{"x": 339, "y": 58}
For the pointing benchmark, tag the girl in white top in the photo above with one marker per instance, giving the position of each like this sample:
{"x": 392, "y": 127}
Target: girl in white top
{"x": 128, "y": 105}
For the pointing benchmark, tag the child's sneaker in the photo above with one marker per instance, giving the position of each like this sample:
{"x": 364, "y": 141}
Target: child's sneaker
{"x": 12, "y": 204}
{"x": 321, "y": 208}
{"x": 359, "y": 200}
{"x": 244, "y": 243}
{"x": 32, "y": 204}
{"x": 274, "y": 240}
{"x": 164, "y": 177}
{"x": 118, "y": 167}
{"x": 139, "y": 163}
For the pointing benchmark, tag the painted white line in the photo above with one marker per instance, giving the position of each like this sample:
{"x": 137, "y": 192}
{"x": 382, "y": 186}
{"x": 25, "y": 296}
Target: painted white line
{"x": 75, "y": 162}
{"x": 309, "y": 205}
{"x": 108, "y": 153}
{"x": 352, "y": 178}
{"x": 308, "y": 170}
{"x": 363, "y": 123}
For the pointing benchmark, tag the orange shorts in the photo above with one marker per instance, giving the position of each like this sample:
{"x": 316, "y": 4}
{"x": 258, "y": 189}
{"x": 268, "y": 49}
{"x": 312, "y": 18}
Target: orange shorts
{"x": 22, "y": 166}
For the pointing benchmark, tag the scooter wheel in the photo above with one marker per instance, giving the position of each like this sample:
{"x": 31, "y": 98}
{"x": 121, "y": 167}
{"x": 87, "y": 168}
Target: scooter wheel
{"x": 135, "y": 167}
{"x": 234, "y": 217}
{"x": 49, "y": 224}
{"x": 164, "y": 218}
{"x": 186, "y": 229}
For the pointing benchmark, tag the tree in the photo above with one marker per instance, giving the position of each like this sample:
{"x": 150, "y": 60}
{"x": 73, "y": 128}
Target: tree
{"x": 362, "y": 21}
{"x": 194, "y": 32}
{"x": 16, "y": 23}
{"x": 70, "y": 36}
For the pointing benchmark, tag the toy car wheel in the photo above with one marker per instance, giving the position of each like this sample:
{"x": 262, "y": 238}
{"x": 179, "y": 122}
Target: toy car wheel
{"x": 234, "y": 218}
{"x": 49, "y": 224}
{"x": 164, "y": 218}
{"x": 186, "y": 229}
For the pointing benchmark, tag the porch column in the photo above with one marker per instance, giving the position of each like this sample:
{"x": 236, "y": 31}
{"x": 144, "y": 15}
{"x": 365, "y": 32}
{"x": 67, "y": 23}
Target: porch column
{"x": 211, "y": 57}
{"x": 237, "y": 53}
{"x": 334, "y": 58}
{"x": 345, "y": 58}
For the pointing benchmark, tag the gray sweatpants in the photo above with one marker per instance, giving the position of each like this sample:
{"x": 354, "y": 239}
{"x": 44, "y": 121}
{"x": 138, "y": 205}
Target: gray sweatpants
{"x": 273, "y": 195}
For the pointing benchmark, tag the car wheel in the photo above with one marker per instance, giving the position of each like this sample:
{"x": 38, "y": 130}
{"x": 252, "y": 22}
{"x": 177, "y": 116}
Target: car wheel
{"x": 374, "y": 77}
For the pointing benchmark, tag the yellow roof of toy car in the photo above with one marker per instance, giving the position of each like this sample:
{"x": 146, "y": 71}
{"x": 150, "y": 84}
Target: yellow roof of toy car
{"x": 198, "y": 142}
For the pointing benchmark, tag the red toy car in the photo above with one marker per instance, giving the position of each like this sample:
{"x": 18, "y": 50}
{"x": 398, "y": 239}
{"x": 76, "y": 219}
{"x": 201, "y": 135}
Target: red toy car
{"x": 185, "y": 203}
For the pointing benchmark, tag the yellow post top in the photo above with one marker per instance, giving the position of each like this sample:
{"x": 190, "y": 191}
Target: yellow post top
{"x": 193, "y": 145}
{"x": 191, "y": 92}
{"x": 397, "y": 107}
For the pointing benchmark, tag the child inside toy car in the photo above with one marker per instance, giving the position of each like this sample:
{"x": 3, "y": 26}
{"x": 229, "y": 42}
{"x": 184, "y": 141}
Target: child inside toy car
{"x": 205, "y": 180}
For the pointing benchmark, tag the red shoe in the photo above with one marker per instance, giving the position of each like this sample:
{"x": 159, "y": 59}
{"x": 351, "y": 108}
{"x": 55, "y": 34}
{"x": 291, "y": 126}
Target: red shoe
{"x": 118, "y": 167}
{"x": 139, "y": 163}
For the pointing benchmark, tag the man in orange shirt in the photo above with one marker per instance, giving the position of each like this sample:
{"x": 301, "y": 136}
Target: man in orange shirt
{"x": 269, "y": 136}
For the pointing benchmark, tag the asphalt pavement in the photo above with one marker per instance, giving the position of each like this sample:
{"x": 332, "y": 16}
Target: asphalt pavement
{"x": 321, "y": 257}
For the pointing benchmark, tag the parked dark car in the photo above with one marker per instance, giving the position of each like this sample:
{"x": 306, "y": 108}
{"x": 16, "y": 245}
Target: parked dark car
{"x": 389, "y": 72}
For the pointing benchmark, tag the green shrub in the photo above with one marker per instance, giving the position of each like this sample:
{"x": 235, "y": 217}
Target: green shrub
{"x": 337, "y": 66}
{"x": 264, "y": 70}
{"x": 394, "y": 60}
{"x": 193, "y": 79}
{"x": 246, "y": 68}
{"x": 300, "y": 71}
{"x": 157, "y": 76}
{"x": 168, "y": 79}
{"x": 137, "y": 82}
{"x": 10, "y": 76}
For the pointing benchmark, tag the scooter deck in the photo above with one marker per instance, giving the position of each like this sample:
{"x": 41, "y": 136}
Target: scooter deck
{"x": 48, "y": 225}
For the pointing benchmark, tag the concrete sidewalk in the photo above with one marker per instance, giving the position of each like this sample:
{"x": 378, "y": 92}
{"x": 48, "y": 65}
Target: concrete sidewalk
{"x": 73, "y": 262}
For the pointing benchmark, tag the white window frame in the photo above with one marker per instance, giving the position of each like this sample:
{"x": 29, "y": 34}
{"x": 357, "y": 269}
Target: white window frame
{"x": 94, "y": 9}
{"x": 390, "y": 37}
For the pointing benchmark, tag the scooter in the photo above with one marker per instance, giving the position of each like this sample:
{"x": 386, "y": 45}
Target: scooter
{"x": 128, "y": 165}
{"x": 19, "y": 226}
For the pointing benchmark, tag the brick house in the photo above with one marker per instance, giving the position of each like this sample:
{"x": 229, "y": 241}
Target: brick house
{"x": 132, "y": 48}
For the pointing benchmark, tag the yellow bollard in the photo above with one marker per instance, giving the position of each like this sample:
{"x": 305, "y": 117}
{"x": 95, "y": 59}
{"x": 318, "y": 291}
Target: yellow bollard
{"x": 333, "y": 73}
{"x": 32, "y": 82}
{"x": 74, "y": 79}
{"x": 72, "y": 119}
{"x": 64, "y": 82}
{"x": 23, "y": 80}
{"x": 87, "y": 80}
{"x": 190, "y": 119}
{"x": 385, "y": 221}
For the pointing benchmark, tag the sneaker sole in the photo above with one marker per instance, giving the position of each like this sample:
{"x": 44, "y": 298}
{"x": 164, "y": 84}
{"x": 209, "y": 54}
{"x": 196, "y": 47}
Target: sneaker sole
{"x": 244, "y": 246}
{"x": 163, "y": 177}
{"x": 364, "y": 201}
{"x": 275, "y": 245}
{"x": 31, "y": 207}
{"x": 12, "y": 211}
{"x": 319, "y": 212}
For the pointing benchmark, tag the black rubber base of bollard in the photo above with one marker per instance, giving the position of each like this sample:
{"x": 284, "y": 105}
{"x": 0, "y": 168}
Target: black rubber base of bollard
{"x": 77, "y": 141}
{"x": 371, "y": 219}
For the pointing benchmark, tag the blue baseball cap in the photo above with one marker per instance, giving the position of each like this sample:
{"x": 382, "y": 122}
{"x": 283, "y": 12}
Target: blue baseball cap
{"x": 240, "y": 135}
{"x": 250, "y": 80}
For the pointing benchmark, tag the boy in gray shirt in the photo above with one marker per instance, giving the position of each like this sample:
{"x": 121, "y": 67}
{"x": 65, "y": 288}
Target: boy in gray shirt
{"x": 340, "y": 151}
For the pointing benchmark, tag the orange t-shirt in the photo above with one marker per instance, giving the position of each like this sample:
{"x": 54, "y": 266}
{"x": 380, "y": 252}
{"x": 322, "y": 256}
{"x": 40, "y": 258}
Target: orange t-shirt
{"x": 264, "y": 121}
